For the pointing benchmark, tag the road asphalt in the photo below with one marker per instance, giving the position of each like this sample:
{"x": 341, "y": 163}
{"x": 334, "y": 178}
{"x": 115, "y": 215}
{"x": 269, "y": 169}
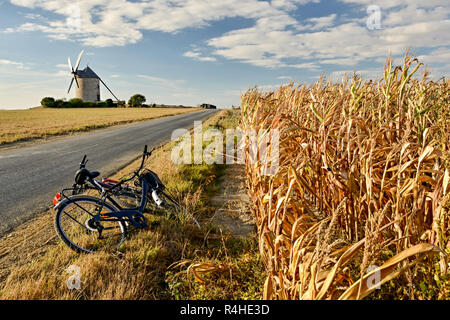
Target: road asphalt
{"x": 30, "y": 176}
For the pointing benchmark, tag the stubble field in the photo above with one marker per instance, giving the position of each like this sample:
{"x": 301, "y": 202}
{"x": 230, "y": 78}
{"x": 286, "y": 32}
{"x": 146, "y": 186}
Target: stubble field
{"x": 22, "y": 125}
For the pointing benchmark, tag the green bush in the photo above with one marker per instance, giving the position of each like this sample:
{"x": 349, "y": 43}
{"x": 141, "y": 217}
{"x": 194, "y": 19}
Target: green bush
{"x": 109, "y": 103}
{"x": 48, "y": 102}
{"x": 61, "y": 104}
{"x": 136, "y": 101}
{"x": 76, "y": 103}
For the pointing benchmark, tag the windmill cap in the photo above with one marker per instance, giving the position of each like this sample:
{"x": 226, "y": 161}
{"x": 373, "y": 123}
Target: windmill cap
{"x": 87, "y": 73}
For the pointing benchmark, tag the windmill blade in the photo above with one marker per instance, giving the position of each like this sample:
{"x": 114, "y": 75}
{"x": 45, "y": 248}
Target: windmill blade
{"x": 76, "y": 81}
{"x": 108, "y": 89}
{"x": 78, "y": 61}
{"x": 70, "y": 85}
{"x": 70, "y": 65}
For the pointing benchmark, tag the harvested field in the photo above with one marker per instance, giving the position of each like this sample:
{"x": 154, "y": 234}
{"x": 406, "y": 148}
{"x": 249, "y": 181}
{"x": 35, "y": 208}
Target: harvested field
{"x": 21, "y": 125}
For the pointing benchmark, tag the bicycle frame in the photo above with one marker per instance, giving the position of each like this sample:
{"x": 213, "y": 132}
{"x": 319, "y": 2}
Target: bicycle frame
{"x": 105, "y": 190}
{"x": 126, "y": 213}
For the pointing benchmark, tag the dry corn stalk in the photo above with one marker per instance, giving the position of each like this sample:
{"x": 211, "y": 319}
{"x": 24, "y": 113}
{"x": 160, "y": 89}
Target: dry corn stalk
{"x": 363, "y": 169}
{"x": 197, "y": 269}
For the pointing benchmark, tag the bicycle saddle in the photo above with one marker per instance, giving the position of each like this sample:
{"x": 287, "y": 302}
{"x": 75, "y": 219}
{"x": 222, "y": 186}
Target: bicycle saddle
{"x": 153, "y": 180}
{"x": 83, "y": 174}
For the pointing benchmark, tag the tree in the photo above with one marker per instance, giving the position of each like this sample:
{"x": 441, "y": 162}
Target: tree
{"x": 136, "y": 101}
{"x": 76, "y": 103}
{"x": 109, "y": 103}
{"x": 61, "y": 104}
{"x": 48, "y": 102}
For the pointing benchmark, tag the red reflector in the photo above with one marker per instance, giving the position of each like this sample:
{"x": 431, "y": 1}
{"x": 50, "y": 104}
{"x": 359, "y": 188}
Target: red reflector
{"x": 56, "y": 199}
{"x": 110, "y": 181}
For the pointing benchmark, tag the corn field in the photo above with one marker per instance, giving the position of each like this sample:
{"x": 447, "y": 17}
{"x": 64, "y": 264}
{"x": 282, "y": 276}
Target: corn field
{"x": 361, "y": 194}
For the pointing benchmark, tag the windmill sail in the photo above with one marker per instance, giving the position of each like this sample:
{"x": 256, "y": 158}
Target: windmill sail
{"x": 87, "y": 73}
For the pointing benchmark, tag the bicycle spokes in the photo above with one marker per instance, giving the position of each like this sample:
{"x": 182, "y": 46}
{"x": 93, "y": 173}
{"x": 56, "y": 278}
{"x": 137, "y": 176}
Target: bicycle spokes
{"x": 84, "y": 231}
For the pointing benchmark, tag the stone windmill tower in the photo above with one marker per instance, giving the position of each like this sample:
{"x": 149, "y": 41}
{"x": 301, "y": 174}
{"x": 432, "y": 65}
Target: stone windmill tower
{"x": 88, "y": 83}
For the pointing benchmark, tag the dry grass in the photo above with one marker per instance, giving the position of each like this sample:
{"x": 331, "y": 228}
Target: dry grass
{"x": 20, "y": 125}
{"x": 363, "y": 180}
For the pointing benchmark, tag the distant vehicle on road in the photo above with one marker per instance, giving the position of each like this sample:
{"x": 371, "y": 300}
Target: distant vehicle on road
{"x": 208, "y": 106}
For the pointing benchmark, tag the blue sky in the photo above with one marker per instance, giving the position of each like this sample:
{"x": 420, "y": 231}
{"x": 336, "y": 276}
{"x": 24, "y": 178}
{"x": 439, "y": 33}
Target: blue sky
{"x": 197, "y": 51}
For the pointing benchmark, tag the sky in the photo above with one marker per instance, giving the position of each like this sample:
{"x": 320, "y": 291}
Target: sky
{"x": 198, "y": 51}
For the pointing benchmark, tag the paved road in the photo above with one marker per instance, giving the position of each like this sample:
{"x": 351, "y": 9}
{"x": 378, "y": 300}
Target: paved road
{"x": 30, "y": 176}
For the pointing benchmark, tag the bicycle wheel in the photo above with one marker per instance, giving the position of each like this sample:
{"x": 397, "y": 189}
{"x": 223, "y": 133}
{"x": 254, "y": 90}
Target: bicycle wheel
{"x": 76, "y": 228}
{"x": 127, "y": 199}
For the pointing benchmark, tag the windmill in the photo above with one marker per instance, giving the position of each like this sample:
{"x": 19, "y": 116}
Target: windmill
{"x": 88, "y": 82}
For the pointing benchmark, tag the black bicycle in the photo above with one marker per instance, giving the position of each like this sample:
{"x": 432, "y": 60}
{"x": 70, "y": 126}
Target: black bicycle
{"x": 87, "y": 223}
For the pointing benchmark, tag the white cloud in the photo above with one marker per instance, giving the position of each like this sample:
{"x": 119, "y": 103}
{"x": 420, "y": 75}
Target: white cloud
{"x": 386, "y": 4}
{"x": 440, "y": 72}
{"x": 307, "y": 65}
{"x": 164, "y": 82}
{"x": 198, "y": 56}
{"x": 322, "y": 22}
{"x": 121, "y": 22}
{"x": 414, "y": 14}
{"x": 269, "y": 87}
{"x": 340, "y": 61}
{"x": 441, "y": 55}
{"x": 15, "y": 64}
{"x": 366, "y": 74}
{"x": 290, "y": 4}
{"x": 346, "y": 44}
{"x": 276, "y": 39}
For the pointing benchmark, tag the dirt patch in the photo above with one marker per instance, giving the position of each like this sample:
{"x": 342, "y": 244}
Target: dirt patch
{"x": 232, "y": 204}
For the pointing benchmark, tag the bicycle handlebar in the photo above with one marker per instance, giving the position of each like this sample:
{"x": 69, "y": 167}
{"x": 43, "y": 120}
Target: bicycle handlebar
{"x": 83, "y": 162}
{"x": 145, "y": 154}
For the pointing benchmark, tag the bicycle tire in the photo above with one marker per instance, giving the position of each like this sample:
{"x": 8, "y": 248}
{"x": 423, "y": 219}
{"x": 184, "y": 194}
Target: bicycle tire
{"x": 75, "y": 201}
